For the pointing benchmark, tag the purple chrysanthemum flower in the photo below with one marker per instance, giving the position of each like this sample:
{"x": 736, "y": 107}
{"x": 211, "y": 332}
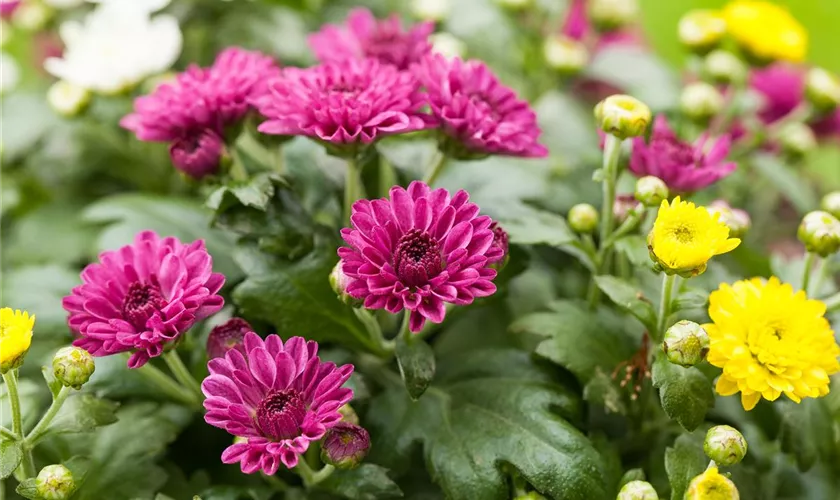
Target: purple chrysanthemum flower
{"x": 229, "y": 335}
{"x": 418, "y": 250}
{"x": 364, "y": 36}
{"x": 684, "y": 167}
{"x": 345, "y": 445}
{"x": 143, "y": 296}
{"x": 198, "y": 155}
{"x": 500, "y": 241}
{"x": 479, "y": 115}
{"x": 576, "y": 24}
{"x": 344, "y": 103}
{"x": 277, "y": 397}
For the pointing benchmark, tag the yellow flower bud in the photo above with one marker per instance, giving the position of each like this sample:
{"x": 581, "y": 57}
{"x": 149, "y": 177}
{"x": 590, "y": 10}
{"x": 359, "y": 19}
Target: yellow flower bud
{"x": 711, "y": 485}
{"x": 622, "y": 116}
{"x": 702, "y": 30}
{"x": 564, "y": 54}
{"x": 608, "y": 15}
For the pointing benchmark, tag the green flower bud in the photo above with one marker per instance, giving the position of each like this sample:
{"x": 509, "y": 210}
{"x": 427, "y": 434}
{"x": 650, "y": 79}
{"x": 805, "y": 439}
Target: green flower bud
{"x": 348, "y": 414}
{"x": 738, "y": 221}
{"x": 632, "y": 475}
{"x": 447, "y": 45}
{"x": 651, "y": 190}
{"x": 583, "y": 218}
{"x": 725, "y": 445}
{"x": 820, "y": 232}
{"x": 431, "y": 10}
{"x": 564, "y": 54}
{"x": 701, "y": 101}
{"x": 339, "y": 283}
{"x": 54, "y": 482}
{"x": 711, "y": 485}
{"x": 622, "y": 116}
{"x": 637, "y": 490}
{"x": 797, "y": 139}
{"x": 73, "y": 366}
{"x": 701, "y": 30}
{"x": 531, "y": 495}
{"x": 722, "y": 66}
{"x": 609, "y": 15}
{"x": 822, "y": 88}
{"x": 67, "y": 99}
{"x": 831, "y": 203}
{"x": 686, "y": 343}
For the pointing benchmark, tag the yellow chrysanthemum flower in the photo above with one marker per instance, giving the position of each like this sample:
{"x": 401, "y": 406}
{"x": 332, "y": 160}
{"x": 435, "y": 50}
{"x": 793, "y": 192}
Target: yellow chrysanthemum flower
{"x": 711, "y": 485}
{"x": 684, "y": 237}
{"x": 15, "y": 337}
{"x": 766, "y": 30}
{"x": 769, "y": 340}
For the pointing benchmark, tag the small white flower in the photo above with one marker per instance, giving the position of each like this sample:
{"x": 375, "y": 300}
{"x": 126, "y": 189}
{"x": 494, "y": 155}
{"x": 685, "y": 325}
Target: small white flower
{"x": 67, "y": 99}
{"x": 117, "y": 46}
{"x": 9, "y": 73}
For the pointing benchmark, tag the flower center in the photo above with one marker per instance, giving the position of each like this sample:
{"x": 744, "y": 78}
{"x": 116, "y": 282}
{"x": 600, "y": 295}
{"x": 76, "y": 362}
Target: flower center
{"x": 140, "y": 303}
{"x": 417, "y": 258}
{"x": 280, "y": 415}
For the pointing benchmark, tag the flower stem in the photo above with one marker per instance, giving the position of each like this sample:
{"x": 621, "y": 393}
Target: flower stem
{"x": 612, "y": 153}
{"x": 42, "y": 427}
{"x": 810, "y": 258}
{"x": 237, "y": 169}
{"x": 310, "y": 477}
{"x": 6, "y": 433}
{"x": 435, "y": 168}
{"x": 351, "y": 188}
{"x": 183, "y": 375}
{"x": 405, "y": 331}
{"x": 832, "y": 302}
{"x": 668, "y": 281}
{"x": 168, "y": 386}
{"x": 27, "y": 465}
{"x": 385, "y": 347}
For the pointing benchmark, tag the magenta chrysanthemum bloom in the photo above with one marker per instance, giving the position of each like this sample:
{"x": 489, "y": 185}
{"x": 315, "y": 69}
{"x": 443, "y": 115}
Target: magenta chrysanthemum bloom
{"x": 364, "y": 36}
{"x": 277, "y": 397}
{"x": 198, "y": 155}
{"x": 684, "y": 167}
{"x": 478, "y": 114}
{"x": 344, "y": 103}
{"x": 418, "y": 250}
{"x": 229, "y": 335}
{"x": 781, "y": 88}
{"x": 142, "y": 297}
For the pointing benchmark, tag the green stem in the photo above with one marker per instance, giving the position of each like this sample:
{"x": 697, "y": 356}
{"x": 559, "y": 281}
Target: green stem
{"x": 277, "y": 159}
{"x": 168, "y": 386}
{"x": 612, "y": 154}
{"x": 810, "y": 258}
{"x": 832, "y": 302}
{"x": 435, "y": 169}
{"x": 42, "y": 427}
{"x": 8, "y": 434}
{"x": 27, "y": 465}
{"x": 237, "y": 170}
{"x": 386, "y": 347}
{"x": 351, "y": 188}
{"x": 183, "y": 375}
{"x": 387, "y": 176}
{"x": 668, "y": 281}
{"x": 404, "y": 332}
{"x": 310, "y": 477}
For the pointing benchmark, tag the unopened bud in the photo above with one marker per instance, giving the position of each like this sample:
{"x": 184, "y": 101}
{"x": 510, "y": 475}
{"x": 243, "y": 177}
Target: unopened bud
{"x": 199, "y": 155}
{"x": 701, "y": 101}
{"x": 686, "y": 343}
{"x": 564, "y": 54}
{"x": 67, "y": 99}
{"x": 431, "y": 10}
{"x": 622, "y": 116}
{"x": 348, "y": 414}
{"x": 822, "y": 88}
{"x": 637, "y": 490}
{"x": 651, "y": 190}
{"x": 73, "y": 366}
{"x": 447, "y": 45}
{"x": 229, "y": 335}
{"x": 701, "y": 30}
{"x": 54, "y": 482}
{"x": 820, "y": 232}
{"x": 583, "y": 218}
{"x": 831, "y": 203}
{"x": 32, "y": 16}
{"x": 626, "y": 205}
{"x": 711, "y": 485}
{"x": 339, "y": 283}
{"x": 738, "y": 221}
{"x": 609, "y": 15}
{"x": 531, "y": 495}
{"x": 722, "y": 66}
{"x": 345, "y": 445}
{"x": 500, "y": 245}
{"x": 725, "y": 445}
{"x": 797, "y": 139}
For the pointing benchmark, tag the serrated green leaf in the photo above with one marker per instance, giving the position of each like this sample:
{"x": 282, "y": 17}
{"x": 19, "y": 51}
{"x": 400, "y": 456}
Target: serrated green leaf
{"x": 683, "y": 462}
{"x": 10, "y": 457}
{"x": 492, "y": 407}
{"x": 629, "y": 298}
{"x": 539, "y": 228}
{"x": 27, "y": 489}
{"x": 254, "y": 193}
{"x": 416, "y": 361}
{"x": 82, "y": 413}
{"x": 806, "y": 432}
{"x": 368, "y": 482}
{"x": 685, "y": 393}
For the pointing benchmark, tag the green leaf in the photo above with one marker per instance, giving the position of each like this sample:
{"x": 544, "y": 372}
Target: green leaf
{"x": 635, "y": 248}
{"x": 539, "y": 228}
{"x": 629, "y": 298}
{"x": 602, "y": 390}
{"x": 791, "y": 184}
{"x": 82, "y": 413}
{"x": 10, "y": 457}
{"x": 685, "y": 393}
{"x": 567, "y": 124}
{"x": 492, "y": 407}
{"x": 39, "y": 290}
{"x": 806, "y": 432}
{"x": 26, "y": 118}
{"x": 683, "y": 462}
{"x": 52, "y": 383}
{"x": 70, "y": 240}
{"x": 639, "y": 72}
{"x": 416, "y": 361}
{"x": 578, "y": 339}
{"x": 27, "y": 489}
{"x": 255, "y": 193}
{"x": 368, "y": 482}
{"x": 631, "y": 475}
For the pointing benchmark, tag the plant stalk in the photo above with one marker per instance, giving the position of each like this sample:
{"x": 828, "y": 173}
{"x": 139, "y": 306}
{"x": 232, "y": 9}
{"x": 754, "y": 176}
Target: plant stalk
{"x": 351, "y": 188}
{"x": 668, "y": 281}
{"x": 435, "y": 168}
{"x": 612, "y": 154}
{"x": 27, "y": 464}
{"x": 810, "y": 259}
{"x": 42, "y": 427}
{"x": 183, "y": 375}
{"x": 168, "y": 386}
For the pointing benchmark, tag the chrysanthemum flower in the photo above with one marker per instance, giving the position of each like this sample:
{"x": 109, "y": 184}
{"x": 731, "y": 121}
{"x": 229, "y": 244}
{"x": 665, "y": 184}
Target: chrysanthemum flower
{"x": 684, "y": 167}
{"x": 711, "y": 485}
{"x": 684, "y": 237}
{"x": 769, "y": 340}
{"x": 229, "y": 335}
{"x": 478, "y": 114}
{"x": 277, "y": 397}
{"x": 766, "y": 30}
{"x": 143, "y": 296}
{"x": 364, "y": 36}
{"x": 347, "y": 103}
{"x": 198, "y": 155}
{"x": 418, "y": 250}
{"x": 15, "y": 337}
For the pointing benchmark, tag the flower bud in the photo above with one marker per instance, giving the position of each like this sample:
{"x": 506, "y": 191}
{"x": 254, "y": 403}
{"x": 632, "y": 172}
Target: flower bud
{"x": 32, "y": 16}
{"x": 701, "y": 101}
{"x": 831, "y": 203}
{"x": 531, "y": 495}
{"x": 54, "y": 482}
{"x": 725, "y": 445}
{"x": 15, "y": 337}
{"x": 583, "y": 218}
{"x": 447, "y": 45}
{"x": 431, "y": 10}
{"x": 820, "y": 232}
{"x": 564, "y": 54}
{"x": 725, "y": 67}
{"x": 500, "y": 241}
{"x": 701, "y": 30}
{"x": 797, "y": 139}
{"x": 348, "y": 414}
{"x": 822, "y": 88}
{"x": 622, "y": 116}
{"x": 67, "y": 99}
{"x": 609, "y": 15}
{"x": 345, "y": 445}
{"x": 637, "y": 490}
{"x": 711, "y": 485}
{"x": 651, "y": 190}
{"x": 73, "y": 366}
{"x": 339, "y": 283}
{"x": 737, "y": 220}
{"x": 229, "y": 335}
{"x": 686, "y": 343}
{"x": 199, "y": 155}
{"x": 624, "y": 206}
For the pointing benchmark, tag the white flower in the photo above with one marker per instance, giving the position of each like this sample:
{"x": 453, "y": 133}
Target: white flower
{"x": 67, "y": 99}
{"x": 9, "y": 73}
{"x": 117, "y": 46}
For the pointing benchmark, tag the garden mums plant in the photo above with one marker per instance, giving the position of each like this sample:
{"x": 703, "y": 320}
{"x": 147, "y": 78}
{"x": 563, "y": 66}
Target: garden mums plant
{"x": 473, "y": 250}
